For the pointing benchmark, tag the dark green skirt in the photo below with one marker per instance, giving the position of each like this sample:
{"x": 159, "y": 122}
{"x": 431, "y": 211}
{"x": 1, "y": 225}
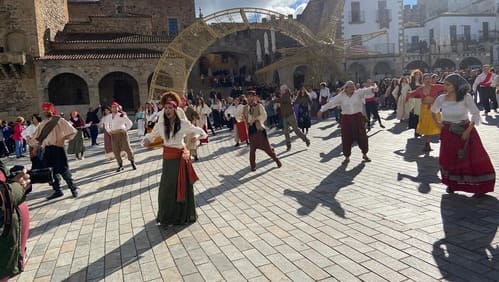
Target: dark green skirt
{"x": 170, "y": 211}
{"x": 76, "y": 146}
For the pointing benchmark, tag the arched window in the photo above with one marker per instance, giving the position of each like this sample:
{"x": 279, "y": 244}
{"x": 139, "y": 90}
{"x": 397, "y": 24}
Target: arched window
{"x": 68, "y": 89}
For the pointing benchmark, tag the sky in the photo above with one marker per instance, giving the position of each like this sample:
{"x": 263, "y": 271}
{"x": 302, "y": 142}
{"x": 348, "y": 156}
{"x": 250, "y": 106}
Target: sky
{"x": 282, "y": 6}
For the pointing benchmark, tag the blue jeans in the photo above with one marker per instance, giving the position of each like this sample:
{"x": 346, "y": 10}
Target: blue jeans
{"x": 19, "y": 147}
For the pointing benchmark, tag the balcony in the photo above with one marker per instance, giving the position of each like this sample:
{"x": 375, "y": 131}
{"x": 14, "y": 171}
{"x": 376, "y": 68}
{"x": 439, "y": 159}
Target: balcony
{"x": 15, "y": 58}
{"x": 11, "y": 64}
{"x": 357, "y": 17}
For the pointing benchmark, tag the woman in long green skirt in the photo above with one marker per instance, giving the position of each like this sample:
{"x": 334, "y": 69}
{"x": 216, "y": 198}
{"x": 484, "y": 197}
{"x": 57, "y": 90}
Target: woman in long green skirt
{"x": 176, "y": 194}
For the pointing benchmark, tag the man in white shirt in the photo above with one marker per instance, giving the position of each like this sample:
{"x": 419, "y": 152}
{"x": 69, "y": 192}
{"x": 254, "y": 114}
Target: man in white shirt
{"x": 324, "y": 93}
{"x": 484, "y": 83}
{"x": 118, "y": 126}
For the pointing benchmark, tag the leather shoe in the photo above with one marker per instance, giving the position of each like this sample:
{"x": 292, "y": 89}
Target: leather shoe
{"x": 120, "y": 168}
{"x": 74, "y": 192}
{"x": 134, "y": 167}
{"x": 54, "y": 195}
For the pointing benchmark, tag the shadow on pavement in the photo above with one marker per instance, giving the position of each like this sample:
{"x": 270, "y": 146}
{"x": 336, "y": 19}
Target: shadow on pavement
{"x": 232, "y": 181}
{"x": 427, "y": 166}
{"x": 492, "y": 120}
{"x": 466, "y": 253}
{"x": 399, "y": 128}
{"x": 127, "y": 253}
{"x": 86, "y": 211}
{"x": 325, "y": 193}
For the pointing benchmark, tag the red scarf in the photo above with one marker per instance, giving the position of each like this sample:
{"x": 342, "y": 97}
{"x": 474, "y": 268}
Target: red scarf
{"x": 486, "y": 82}
{"x": 185, "y": 173}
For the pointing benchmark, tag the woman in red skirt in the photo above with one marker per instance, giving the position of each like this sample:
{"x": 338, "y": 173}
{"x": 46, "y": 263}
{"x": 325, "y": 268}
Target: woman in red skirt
{"x": 464, "y": 163}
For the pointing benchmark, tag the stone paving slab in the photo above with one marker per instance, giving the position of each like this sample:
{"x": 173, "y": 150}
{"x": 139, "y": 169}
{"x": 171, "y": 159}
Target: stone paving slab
{"x": 311, "y": 220}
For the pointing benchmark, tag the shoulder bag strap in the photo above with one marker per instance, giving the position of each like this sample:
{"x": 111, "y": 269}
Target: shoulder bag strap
{"x": 47, "y": 129}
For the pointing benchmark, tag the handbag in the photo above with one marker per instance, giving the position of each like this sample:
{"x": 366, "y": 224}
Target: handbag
{"x": 41, "y": 175}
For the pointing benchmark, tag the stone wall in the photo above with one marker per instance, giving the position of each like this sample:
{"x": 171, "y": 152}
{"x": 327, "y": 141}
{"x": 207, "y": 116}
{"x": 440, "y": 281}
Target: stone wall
{"x": 104, "y": 24}
{"x": 159, "y": 10}
{"x": 92, "y": 71}
{"x": 51, "y": 17}
{"x": 17, "y": 98}
{"x": 19, "y": 16}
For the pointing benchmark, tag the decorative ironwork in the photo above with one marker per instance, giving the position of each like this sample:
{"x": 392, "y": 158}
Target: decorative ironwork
{"x": 178, "y": 59}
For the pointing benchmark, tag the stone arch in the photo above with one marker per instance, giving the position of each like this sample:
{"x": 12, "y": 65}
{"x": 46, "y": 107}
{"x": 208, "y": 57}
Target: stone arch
{"x": 120, "y": 87}
{"x": 357, "y": 72}
{"x": 184, "y": 51}
{"x": 16, "y": 42}
{"x": 444, "y": 64}
{"x": 68, "y": 89}
{"x": 470, "y": 62}
{"x": 418, "y": 65}
{"x": 299, "y": 75}
{"x": 382, "y": 69}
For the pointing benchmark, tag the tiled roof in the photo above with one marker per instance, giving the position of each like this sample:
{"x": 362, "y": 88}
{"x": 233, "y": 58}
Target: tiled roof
{"x": 110, "y": 38}
{"x": 101, "y": 54}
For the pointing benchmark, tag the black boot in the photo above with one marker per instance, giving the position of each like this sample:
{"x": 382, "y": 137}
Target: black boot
{"x": 54, "y": 195}
{"x": 120, "y": 168}
{"x": 73, "y": 188}
{"x": 133, "y": 165}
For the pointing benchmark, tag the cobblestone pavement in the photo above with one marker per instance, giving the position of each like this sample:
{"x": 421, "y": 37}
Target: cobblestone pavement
{"x": 312, "y": 219}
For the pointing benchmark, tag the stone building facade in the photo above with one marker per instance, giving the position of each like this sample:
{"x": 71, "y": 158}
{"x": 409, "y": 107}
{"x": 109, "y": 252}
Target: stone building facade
{"x": 79, "y": 54}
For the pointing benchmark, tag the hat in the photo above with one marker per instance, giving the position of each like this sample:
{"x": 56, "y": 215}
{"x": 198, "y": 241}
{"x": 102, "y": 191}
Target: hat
{"x": 115, "y": 104}
{"x": 49, "y": 107}
{"x": 323, "y": 83}
{"x": 251, "y": 92}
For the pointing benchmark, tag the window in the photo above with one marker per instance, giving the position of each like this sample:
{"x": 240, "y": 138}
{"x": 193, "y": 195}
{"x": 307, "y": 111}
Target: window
{"x": 415, "y": 41}
{"x": 453, "y": 34}
{"x": 355, "y": 12}
{"x": 485, "y": 30}
{"x": 467, "y": 33}
{"x": 172, "y": 26}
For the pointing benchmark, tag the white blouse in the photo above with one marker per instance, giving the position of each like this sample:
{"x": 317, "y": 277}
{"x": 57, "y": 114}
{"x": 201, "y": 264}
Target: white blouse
{"x": 177, "y": 140}
{"x": 349, "y": 105}
{"x": 453, "y": 111}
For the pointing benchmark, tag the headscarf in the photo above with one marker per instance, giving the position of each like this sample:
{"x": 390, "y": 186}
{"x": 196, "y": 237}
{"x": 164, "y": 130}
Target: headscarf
{"x": 49, "y": 107}
{"x": 460, "y": 84}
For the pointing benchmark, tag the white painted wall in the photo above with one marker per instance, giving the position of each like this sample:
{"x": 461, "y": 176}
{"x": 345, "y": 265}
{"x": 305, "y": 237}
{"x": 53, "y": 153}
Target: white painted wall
{"x": 369, "y": 10}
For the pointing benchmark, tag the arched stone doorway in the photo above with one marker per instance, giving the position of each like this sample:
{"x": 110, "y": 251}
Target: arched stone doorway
{"x": 381, "y": 70}
{"x": 444, "y": 64}
{"x": 470, "y": 63}
{"x": 120, "y": 87}
{"x": 357, "y": 72}
{"x": 299, "y": 77}
{"x": 184, "y": 51}
{"x": 68, "y": 89}
{"x": 420, "y": 65}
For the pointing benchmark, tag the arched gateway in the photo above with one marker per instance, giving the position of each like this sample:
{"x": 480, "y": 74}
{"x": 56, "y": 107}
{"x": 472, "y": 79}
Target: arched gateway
{"x": 177, "y": 61}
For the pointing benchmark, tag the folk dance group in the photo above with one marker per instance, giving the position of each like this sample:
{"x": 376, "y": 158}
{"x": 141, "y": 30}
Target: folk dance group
{"x": 180, "y": 127}
{"x": 464, "y": 162}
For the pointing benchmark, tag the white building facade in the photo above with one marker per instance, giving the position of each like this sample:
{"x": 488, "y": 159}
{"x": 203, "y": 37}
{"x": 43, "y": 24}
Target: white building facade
{"x": 373, "y": 32}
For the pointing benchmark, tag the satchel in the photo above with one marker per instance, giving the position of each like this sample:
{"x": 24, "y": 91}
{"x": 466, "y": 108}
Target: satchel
{"x": 41, "y": 175}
